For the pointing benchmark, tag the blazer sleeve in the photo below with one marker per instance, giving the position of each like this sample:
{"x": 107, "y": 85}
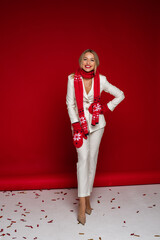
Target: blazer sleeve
{"x": 71, "y": 101}
{"x": 116, "y": 92}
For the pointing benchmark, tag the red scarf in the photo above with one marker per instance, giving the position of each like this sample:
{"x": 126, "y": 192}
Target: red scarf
{"x": 78, "y": 85}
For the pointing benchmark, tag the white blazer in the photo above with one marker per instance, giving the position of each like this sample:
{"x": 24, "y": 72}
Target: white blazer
{"x": 88, "y": 99}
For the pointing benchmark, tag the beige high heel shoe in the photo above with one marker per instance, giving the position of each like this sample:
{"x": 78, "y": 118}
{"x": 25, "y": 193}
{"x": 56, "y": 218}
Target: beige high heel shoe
{"x": 81, "y": 219}
{"x": 89, "y": 211}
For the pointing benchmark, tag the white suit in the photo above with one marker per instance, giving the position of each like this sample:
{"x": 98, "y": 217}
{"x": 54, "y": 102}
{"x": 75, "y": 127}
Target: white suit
{"x": 88, "y": 153}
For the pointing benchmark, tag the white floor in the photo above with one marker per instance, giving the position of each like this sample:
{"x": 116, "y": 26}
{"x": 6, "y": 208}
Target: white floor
{"x": 120, "y": 213}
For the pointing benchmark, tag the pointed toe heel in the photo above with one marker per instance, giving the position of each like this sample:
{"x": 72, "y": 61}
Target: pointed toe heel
{"x": 89, "y": 211}
{"x": 81, "y": 219}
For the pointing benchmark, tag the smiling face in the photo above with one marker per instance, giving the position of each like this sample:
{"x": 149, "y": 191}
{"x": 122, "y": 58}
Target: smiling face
{"x": 88, "y": 62}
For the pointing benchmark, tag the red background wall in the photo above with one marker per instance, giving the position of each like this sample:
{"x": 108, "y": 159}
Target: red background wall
{"x": 40, "y": 44}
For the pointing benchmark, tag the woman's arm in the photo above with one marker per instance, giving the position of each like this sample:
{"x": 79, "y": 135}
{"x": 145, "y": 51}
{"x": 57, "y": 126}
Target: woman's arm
{"x": 116, "y": 92}
{"x": 71, "y": 101}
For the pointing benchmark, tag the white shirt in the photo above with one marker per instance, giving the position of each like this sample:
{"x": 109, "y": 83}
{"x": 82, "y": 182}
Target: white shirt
{"x": 88, "y": 99}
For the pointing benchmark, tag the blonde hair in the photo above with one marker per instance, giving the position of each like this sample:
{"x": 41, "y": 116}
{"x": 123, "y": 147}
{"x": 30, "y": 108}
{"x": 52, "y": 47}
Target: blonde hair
{"x": 95, "y": 56}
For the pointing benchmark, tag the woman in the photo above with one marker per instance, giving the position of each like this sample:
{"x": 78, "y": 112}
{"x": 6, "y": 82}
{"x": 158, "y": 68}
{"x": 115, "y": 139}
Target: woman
{"x": 87, "y": 121}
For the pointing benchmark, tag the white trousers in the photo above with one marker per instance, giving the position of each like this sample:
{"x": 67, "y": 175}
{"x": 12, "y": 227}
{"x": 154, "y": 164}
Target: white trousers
{"x": 87, "y": 162}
